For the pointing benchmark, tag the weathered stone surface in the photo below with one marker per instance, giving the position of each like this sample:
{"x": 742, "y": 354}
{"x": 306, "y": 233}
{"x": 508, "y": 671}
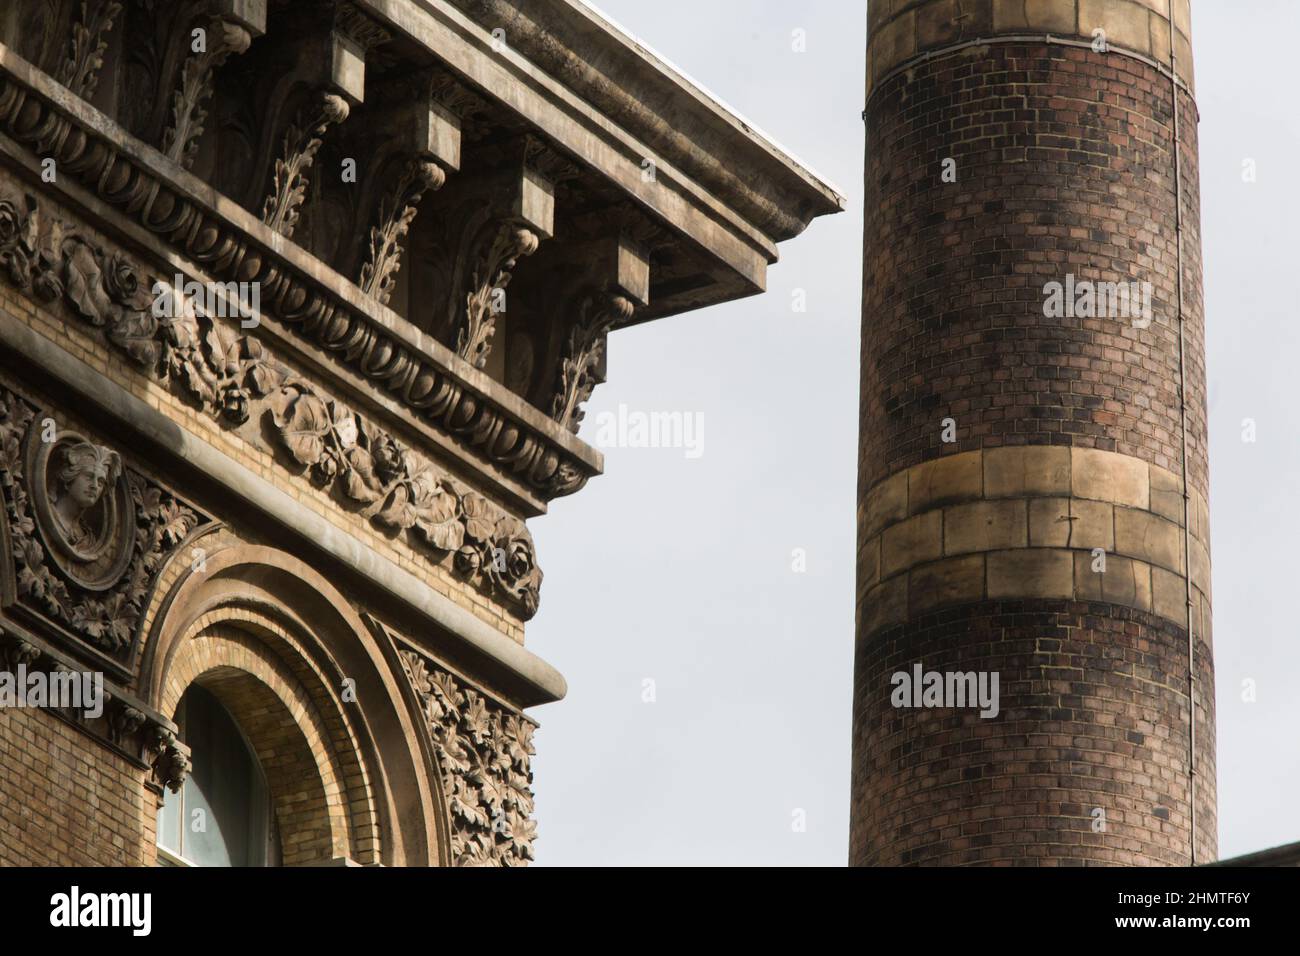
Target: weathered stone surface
{"x": 1126, "y": 23}
{"x": 984, "y": 526}
{"x": 949, "y": 581}
{"x": 886, "y": 504}
{"x": 944, "y": 480}
{"x": 919, "y": 538}
{"x": 1105, "y": 476}
{"x": 1149, "y": 537}
{"x": 885, "y": 605}
{"x": 1026, "y": 470}
{"x": 1167, "y": 494}
{"x": 1168, "y": 594}
{"x": 1039, "y": 573}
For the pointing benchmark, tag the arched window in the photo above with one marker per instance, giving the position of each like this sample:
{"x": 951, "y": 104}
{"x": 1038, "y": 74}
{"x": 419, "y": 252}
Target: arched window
{"x": 222, "y": 815}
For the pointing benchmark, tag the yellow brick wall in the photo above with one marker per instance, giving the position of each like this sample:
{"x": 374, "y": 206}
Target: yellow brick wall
{"x": 68, "y": 801}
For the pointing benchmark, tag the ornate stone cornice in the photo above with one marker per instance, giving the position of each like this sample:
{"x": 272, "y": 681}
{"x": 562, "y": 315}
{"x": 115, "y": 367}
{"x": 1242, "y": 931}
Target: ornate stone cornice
{"x": 296, "y": 291}
{"x": 232, "y": 377}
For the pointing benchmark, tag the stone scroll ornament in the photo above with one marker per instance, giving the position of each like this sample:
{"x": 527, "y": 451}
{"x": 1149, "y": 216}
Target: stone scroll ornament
{"x": 79, "y": 72}
{"x": 289, "y": 180}
{"x": 396, "y": 213}
{"x": 230, "y": 376}
{"x": 584, "y": 346}
{"x": 503, "y": 245}
{"x": 88, "y": 535}
{"x": 189, "y": 102}
{"x": 483, "y": 752}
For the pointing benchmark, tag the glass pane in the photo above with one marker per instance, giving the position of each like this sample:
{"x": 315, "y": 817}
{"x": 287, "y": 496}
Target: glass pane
{"x": 224, "y": 798}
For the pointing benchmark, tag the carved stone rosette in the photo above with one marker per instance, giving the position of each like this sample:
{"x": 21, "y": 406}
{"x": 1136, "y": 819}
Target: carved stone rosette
{"x": 483, "y": 751}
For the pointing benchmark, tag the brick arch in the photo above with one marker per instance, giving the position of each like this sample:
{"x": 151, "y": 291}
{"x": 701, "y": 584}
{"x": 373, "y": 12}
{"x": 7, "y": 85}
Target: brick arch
{"x": 288, "y": 734}
{"x": 277, "y": 643}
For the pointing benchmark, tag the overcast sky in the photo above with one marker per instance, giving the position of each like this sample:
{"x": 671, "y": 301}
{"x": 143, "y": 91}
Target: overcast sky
{"x": 678, "y": 570}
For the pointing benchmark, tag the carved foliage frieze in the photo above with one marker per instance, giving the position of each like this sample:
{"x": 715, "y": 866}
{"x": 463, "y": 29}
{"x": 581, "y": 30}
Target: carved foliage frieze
{"x": 401, "y": 490}
{"x": 88, "y": 535}
{"x": 231, "y": 376}
{"x": 483, "y": 751}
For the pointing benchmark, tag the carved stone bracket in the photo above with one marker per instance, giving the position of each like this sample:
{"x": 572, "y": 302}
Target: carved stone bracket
{"x": 506, "y": 242}
{"x": 80, "y": 71}
{"x": 302, "y": 140}
{"x": 222, "y": 37}
{"x": 583, "y": 354}
{"x": 395, "y": 215}
{"x": 171, "y": 759}
{"x": 483, "y": 752}
{"x": 616, "y": 281}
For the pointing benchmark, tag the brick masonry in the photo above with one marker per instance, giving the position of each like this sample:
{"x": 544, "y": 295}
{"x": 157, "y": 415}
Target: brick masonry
{"x": 1064, "y": 164}
{"x": 67, "y": 801}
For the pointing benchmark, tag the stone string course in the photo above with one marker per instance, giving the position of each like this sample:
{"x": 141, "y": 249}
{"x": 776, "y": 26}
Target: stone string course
{"x": 1023, "y": 523}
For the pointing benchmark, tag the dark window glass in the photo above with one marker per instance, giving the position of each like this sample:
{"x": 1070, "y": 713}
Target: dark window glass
{"x": 222, "y": 815}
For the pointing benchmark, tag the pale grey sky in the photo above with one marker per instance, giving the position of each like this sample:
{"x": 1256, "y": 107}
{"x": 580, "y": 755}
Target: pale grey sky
{"x": 678, "y": 570}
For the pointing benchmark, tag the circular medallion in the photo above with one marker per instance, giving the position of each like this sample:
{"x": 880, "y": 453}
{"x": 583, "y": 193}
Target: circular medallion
{"x": 83, "y": 507}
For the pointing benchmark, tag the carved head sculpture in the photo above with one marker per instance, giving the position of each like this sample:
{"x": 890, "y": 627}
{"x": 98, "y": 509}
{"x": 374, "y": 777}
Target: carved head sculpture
{"x": 87, "y": 469}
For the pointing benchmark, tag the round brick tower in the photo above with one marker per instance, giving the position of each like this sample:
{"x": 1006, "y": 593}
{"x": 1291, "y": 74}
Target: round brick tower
{"x": 1032, "y": 318}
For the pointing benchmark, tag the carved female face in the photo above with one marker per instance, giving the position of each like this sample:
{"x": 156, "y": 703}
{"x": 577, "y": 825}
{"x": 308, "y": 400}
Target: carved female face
{"x": 87, "y": 471}
{"x": 83, "y": 507}
{"x": 87, "y": 486}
